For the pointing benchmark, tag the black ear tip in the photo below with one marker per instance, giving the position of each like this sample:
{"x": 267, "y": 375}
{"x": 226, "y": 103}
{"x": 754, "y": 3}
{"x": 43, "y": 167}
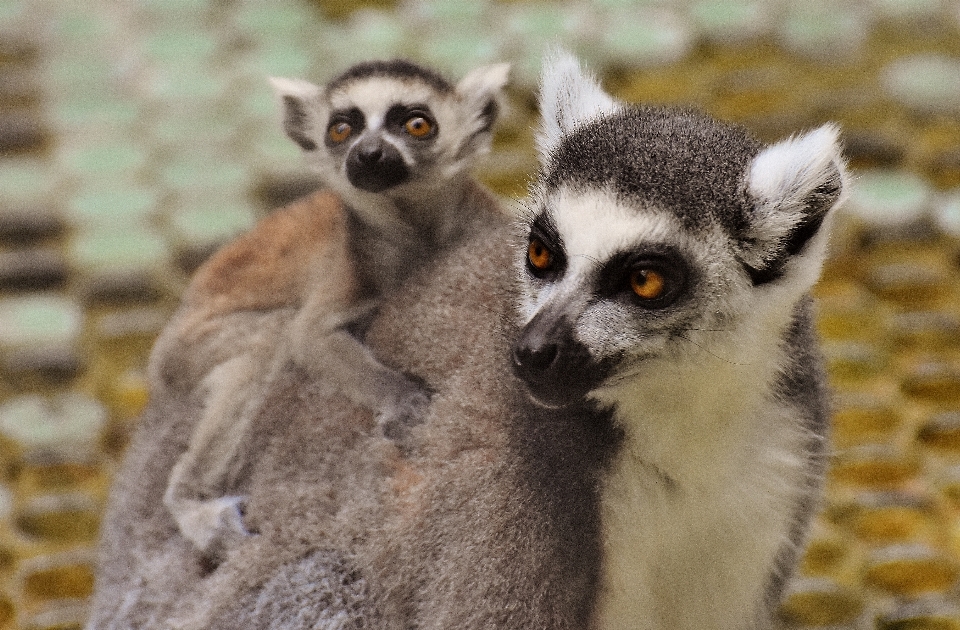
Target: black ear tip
{"x": 304, "y": 143}
{"x": 827, "y": 193}
{"x": 490, "y": 113}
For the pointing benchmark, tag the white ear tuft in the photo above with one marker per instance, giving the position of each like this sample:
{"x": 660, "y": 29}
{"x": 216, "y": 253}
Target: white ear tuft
{"x": 299, "y": 100}
{"x": 795, "y": 184}
{"x": 484, "y": 83}
{"x": 784, "y": 174}
{"x": 569, "y": 96}
{"x": 297, "y": 88}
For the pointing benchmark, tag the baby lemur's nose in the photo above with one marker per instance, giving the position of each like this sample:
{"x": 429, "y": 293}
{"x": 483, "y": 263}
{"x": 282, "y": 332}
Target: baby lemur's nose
{"x": 374, "y": 165}
{"x": 370, "y": 153}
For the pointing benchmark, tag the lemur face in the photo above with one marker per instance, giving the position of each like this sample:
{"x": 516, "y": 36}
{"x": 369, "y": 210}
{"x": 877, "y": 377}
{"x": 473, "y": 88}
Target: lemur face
{"x": 658, "y": 234}
{"x": 380, "y": 149}
{"x": 392, "y": 127}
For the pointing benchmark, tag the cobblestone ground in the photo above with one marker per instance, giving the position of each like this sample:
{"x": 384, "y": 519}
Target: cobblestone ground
{"x": 135, "y": 137}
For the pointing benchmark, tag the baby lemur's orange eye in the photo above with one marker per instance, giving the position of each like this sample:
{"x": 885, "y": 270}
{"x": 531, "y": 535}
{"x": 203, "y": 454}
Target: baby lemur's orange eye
{"x": 539, "y": 256}
{"x": 647, "y": 284}
{"x": 418, "y": 127}
{"x": 339, "y": 131}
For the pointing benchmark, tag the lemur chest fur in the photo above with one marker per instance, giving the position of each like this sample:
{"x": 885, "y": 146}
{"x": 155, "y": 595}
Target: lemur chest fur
{"x": 695, "y": 505}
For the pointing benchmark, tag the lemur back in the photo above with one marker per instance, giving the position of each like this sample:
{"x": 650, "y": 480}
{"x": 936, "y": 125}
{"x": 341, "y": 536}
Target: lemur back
{"x": 394, "y": 143}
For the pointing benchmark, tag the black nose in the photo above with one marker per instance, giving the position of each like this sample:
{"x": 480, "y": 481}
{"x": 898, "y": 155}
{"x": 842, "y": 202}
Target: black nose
{"x": 531, "y": 359}
{"x": 374, "y": 165}
{"x": 369, "y": 154}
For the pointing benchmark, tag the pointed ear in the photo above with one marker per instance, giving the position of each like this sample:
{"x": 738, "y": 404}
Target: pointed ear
{"x": 482, "y": 92}
{"x": 299, "y": 100}
{"x": 794, "y": 185}
{"x": 569, "y": 96}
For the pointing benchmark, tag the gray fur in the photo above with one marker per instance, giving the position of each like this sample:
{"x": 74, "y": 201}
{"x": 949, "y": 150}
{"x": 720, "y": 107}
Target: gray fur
{"x": 394, "y": 68}
{"x": 674, "y": 492}
{"x": 405, "y": 199}
{"x": 489, "y": 520}
{"x": 803, "y": 385}
{"x": 662, "y": 156}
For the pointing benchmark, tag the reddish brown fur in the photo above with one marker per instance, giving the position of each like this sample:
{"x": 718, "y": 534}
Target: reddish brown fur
{"x": 297, "y": 251}
{"x": 268, "y": 267}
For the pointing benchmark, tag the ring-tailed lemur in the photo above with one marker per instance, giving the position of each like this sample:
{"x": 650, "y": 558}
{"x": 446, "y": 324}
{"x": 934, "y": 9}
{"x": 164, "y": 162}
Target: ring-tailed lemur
{"x": 395, "y": 143}
{"x": 666, "y": 276}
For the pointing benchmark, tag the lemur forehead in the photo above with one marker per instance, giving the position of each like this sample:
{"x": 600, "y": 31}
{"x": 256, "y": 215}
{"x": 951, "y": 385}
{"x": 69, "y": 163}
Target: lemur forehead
{"x": 376, "y": 96}
{"x": 675, "y": 159}
{"x": 595, "y": 223}
{"x": 399, "y": 69}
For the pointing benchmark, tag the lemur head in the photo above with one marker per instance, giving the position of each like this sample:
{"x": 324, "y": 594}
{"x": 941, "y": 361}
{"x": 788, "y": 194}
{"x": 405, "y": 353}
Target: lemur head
{"x": 661, "y": 234}
{"x": 392, "y": 127}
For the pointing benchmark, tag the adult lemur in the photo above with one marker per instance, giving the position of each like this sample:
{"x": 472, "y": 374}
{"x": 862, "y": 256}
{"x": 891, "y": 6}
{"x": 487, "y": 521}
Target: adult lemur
{"x": 666, "y": 276}
{"x": 394, "y": 142}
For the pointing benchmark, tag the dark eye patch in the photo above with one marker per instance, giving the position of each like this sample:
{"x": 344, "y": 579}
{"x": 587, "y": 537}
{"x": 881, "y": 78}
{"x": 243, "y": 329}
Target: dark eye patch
{"x": 543, "y": 230}
{"x": 353, "y": 117}
{"x": 398, "y": 115}
{"x": 614, "y": 277}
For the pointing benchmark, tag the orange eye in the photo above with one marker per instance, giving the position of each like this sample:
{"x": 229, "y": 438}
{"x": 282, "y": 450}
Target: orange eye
{"x": 418, "y": 127}
{"x": 647, "y": 284}
{"x": 339, "y": 131}
{"x": 539, "y": 256}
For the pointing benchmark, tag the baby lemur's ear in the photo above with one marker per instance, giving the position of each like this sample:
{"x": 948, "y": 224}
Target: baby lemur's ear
{"x": 569, "y": 96}
{"x": 482, "y": 90}
{"x": 794, "y": 185}
{"x": 300, "y": 101}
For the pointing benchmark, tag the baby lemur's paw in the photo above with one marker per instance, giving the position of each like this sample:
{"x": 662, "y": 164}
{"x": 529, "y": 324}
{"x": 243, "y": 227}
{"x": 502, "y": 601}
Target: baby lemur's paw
{"x": 214, "y": 525}
{"x": 405, "y": 411}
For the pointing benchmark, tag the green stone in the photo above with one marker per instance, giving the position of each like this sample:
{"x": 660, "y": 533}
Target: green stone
{"x": 261, "y": 18}
{"x": 459, "y": 53}
{"x": 889, "y": 198}
{"x": 823, "y": 30}
{"x": 77, "y": 27}
{"x": 730, "y": 20}
{"x": 108, "y": 160}
{"x": 200, "y": 227}
{"x": 184, "y": 86}
{"x": 281, "y": 61}
{"x": 379, "y": 34}
{"x": 58, "y": 423}
{"x": 925, "y": 82}
{"x": 70, "y": 74}
{"x": 39, "y": 320}
{"x": 112, "y": 206}
{"x": 25, "y": 181}
{"x": 118, "y": 251}
{"x": 202, "y": 128}
{"x": 78, "y": 111}
{"x": 948, "y": 213}
{"x": 204, "y": 172}
{"x": 174, "y": 48}
{"x": 535, "y": 21}
{"x": 451, "y": 13}
{"x": 279, "y": 152}
{"x": 647, "y": 38}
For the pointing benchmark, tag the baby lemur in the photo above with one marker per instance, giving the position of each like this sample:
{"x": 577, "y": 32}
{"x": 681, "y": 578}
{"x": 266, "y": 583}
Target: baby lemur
{"x": 394, "y": 143}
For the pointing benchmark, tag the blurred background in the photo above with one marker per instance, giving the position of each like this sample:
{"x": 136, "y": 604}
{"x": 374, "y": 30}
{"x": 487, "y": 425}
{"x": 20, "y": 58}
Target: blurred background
{"x": 136, "y": 137}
